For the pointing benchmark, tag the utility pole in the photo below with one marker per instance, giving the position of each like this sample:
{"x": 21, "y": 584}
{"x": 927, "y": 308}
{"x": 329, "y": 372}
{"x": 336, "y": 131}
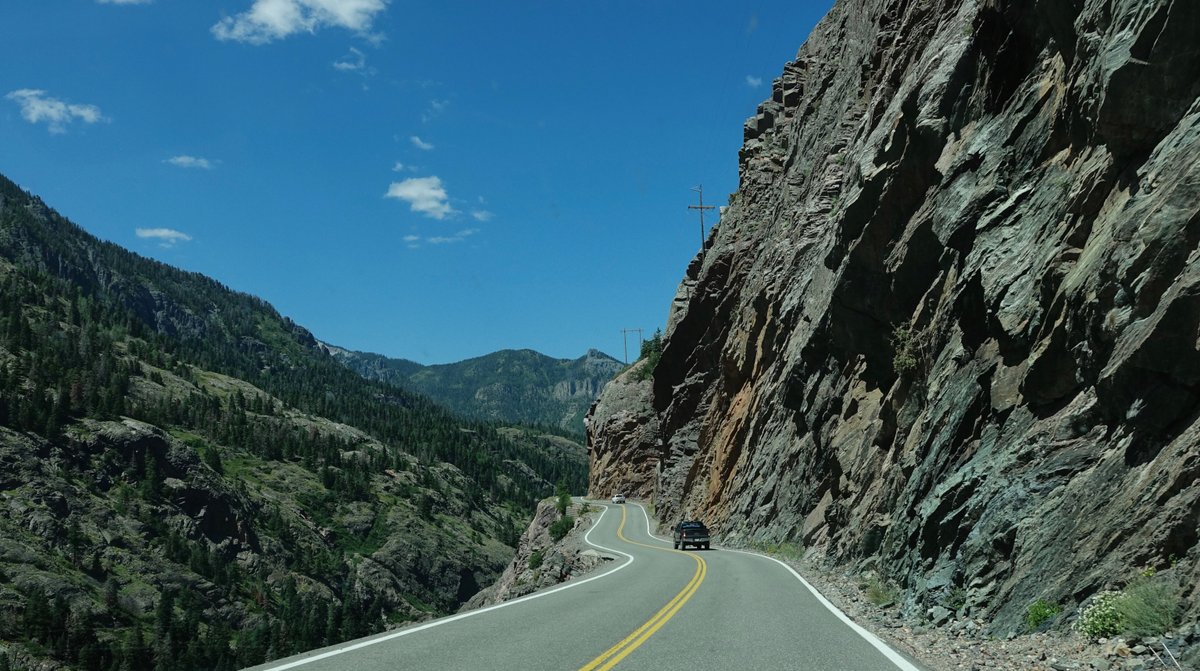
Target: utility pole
{"x": 625, "y": 336}
{"x": 702, "y": 207}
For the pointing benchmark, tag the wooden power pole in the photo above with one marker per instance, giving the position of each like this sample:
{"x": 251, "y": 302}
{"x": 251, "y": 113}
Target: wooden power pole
{"x": 701, "y": 207}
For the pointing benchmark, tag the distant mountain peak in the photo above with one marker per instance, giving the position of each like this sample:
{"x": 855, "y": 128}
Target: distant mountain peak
{"x": 511, "y": 385}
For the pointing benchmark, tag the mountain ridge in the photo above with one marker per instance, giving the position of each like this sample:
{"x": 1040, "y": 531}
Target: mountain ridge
{"x": 190, "y": 482}
{"x": 514, "y": 385}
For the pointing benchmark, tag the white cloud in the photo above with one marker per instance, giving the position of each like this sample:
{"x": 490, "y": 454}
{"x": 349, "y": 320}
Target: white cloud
{"x": 753, "y": 82}
{"x": 451, "y": 239}
{"x": 420, "y": 144}
{"x": 185, "y": 161}
{"x": 399, "y": 167}
{"x": 268, "y": 20}
{"x": 167, "y": 237}
{"x": 37, "y": 107}
{"x": 435, "y": 109}
{"x": 412, "y": 238}
{"x": 355, "y": 61}
{"x": 423, "y": 194}
{"x": 482, "y": 215}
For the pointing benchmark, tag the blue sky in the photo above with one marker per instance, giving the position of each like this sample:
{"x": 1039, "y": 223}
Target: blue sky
{"x": 431, "y": 180}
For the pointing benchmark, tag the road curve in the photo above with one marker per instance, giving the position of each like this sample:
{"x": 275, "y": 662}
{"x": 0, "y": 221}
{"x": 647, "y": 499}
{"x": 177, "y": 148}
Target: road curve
{"x": 654, "y": 608}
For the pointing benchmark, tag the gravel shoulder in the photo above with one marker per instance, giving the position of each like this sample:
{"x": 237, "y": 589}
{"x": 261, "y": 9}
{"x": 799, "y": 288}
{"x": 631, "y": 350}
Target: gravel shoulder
{"x": 962, "y": 645}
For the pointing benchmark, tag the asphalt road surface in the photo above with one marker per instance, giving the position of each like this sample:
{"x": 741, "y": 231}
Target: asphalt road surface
{"x": 653, "y": 608}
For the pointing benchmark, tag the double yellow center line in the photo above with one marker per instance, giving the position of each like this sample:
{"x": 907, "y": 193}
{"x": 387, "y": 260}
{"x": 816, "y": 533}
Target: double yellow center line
{"x": 615, "y": 654}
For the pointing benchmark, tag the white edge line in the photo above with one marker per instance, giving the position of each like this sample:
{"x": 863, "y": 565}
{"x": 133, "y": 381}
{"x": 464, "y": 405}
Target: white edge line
{"x": 893, "y": 656}
{"x": 472, "y": 613}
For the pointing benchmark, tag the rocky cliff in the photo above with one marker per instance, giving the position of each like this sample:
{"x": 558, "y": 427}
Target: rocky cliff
{"x": 948, "y": 325}
{"x": 622, "y": 437}
{"x": 543, "y": 561}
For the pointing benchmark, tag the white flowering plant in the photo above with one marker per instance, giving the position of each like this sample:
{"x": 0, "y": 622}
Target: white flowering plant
{"x": 1101, "y": 617}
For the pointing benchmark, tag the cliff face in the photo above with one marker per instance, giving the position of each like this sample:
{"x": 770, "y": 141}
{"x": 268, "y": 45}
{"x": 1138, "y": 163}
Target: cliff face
{"x": 541, "y": 561}
{"x": 622, "y": 438}
{"x": 949, "y": 322}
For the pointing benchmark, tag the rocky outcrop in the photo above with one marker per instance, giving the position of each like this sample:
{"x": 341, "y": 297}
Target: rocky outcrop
{"x": 622, "y": 438}
{"x": 541, "y": 561}
{"x": 947, "y": 327}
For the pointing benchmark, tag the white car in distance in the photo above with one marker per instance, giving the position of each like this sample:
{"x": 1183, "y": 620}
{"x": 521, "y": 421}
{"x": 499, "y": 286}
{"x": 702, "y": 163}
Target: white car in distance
{"x": 618, "y": 498}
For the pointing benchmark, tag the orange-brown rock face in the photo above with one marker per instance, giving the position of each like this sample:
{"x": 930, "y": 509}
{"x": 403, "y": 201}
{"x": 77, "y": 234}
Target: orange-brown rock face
{"x": 948, "y": 325}
{"x": 622, "y": 434}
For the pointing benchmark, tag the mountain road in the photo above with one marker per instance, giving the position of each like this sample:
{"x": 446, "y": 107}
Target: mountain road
{"x": 653, "y": 608}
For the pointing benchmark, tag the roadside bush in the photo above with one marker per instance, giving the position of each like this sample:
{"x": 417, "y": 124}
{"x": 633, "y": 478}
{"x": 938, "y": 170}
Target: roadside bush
{"x": 536, "y": 558}
{"x": 561, "y": 527}
{"x": 1100, "y": 618}
{"x": 1148, "y": 608}
{"x": 1040, "y": 612}
{"x": 879, "y": 592}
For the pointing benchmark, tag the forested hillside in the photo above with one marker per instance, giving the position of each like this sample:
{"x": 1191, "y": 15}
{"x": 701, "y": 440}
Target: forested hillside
{"x": 188, "y": 481}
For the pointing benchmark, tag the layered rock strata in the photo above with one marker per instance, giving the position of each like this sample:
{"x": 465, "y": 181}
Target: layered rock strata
{"x": 622, "y": 438}
{"x": 948, "y": 326}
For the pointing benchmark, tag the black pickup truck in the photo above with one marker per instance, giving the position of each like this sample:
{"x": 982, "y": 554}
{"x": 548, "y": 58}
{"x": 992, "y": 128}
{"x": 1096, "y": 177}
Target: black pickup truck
{"x": 692, "y": 533}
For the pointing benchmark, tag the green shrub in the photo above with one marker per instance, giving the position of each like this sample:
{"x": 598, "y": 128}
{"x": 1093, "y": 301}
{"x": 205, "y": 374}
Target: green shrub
{"x": 1148, "y": 608}
{"x": 956, "y": 599}
{"x": 561, "y": 527}
{"x": 908, "y": 344}
{"x": 1039, "y": 612}
{"x": 536, "y": 558}
{"x": 564, "y": 498}
{"x": 1100, "y": 618}
{"x": 879, "y": 592}
{"x": 651, "y": 352}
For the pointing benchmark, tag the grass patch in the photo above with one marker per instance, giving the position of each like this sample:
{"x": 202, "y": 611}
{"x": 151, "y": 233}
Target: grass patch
{"x": 418, "y": 604}
{"x": 785, "y": 550}
{"x": 1148, "y": 608}
{"x": 536, "y": 558}
{"x": 188, "y": 438}
{"x": 880, "y": 592}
